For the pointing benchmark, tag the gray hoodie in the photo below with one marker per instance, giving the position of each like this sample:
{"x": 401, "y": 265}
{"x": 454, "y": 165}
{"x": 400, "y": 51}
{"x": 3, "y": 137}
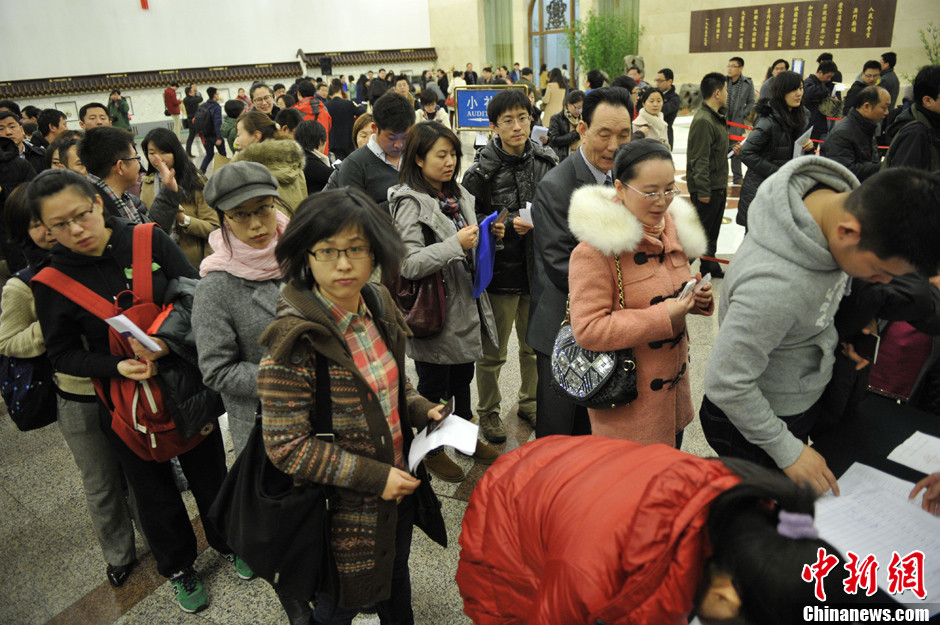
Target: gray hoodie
{"x": 776, "y": 341}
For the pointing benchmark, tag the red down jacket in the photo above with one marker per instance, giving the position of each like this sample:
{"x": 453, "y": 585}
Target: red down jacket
{"x": 585, "y": 529}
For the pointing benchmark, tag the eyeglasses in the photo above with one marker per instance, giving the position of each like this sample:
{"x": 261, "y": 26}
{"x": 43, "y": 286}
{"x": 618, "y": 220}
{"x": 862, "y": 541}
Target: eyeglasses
{"x": 655, "y": 195}
{"x": 263, "y": 99}
{"x": 329, "y": 254}
{"x": 133, "y": 158}
{"x": 522, "y": 120}
{"x": 243, "y": 217}
{"x": 83, "y": 219}
{"x": 733, "y": 66}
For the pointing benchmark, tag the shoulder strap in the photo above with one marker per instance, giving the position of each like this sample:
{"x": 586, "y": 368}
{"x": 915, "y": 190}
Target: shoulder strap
{"x": 142, "y": 262}
{"x": 75, "y": 291}
{"x": 323, "y": 422}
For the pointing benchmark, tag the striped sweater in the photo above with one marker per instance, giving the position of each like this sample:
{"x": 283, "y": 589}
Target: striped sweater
{"x": 359, "y": 461}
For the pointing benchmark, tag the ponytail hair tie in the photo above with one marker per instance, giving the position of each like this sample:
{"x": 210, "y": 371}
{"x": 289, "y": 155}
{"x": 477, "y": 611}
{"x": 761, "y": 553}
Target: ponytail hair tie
{"x": 796, "y": 525}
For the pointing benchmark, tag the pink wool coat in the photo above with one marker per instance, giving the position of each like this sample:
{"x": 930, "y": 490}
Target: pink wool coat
{"x": 653, "y": 270}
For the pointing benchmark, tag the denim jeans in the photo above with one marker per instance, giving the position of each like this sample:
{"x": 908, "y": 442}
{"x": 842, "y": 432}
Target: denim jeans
{"x": 210, "y": 149}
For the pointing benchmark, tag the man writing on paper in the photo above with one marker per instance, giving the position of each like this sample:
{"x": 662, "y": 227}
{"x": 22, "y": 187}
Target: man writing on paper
{"x": 504, "y": 176}
{"x": 812, "y": 228}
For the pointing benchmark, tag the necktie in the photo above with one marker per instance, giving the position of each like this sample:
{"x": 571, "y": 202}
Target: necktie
{"x": 608, "y": 182}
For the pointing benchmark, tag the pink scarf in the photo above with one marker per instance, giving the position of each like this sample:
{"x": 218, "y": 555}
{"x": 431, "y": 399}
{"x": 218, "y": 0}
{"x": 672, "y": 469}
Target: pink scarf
{"x": 240, "y": 259}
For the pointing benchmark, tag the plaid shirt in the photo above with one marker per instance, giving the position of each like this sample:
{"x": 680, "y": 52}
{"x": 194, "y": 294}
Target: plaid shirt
{"x": 126, "y": 206}
{"x": 376, "y": 364}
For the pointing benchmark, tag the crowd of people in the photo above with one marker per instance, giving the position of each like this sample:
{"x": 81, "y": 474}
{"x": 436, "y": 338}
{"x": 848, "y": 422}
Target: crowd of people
{"x": 273, "y": 262}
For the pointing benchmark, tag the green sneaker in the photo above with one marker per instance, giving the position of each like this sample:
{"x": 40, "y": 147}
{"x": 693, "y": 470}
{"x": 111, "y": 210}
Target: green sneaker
{"x": 189, "y": 591}
{"x": 241, "y": 567}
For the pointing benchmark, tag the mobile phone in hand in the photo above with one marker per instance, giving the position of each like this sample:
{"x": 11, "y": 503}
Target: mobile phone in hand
{"x": 701, "y": 283}
{"x": 866, "y": 346}
{"x": 502, "y": 216}
{"x": 687, "y": 290}
{"x": 446, "y": 412}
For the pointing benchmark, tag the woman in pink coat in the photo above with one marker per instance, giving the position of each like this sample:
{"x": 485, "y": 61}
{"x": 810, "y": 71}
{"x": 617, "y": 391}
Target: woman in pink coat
{"x": 641, "y": 222}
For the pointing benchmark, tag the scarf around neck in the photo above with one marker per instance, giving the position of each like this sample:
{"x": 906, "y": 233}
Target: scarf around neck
{"x": 236, "y": 257}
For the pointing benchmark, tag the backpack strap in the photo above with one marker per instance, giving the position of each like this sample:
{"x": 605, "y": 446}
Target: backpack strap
{"x": 76, "y": 291}
{"x": 142, "y": 263}
{"x": 323, "y": 412}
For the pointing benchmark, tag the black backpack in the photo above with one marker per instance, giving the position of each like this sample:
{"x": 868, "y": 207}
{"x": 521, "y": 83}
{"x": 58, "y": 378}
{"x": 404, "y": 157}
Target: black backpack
{"x": 203, "y": 120}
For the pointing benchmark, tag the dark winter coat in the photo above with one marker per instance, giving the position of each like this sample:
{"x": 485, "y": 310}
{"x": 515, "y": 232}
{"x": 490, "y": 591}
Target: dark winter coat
{"x": 560, "y": 135}
{"x": 343, "y": 114}
{"x": 68, "y": 328}
{"x": 848, "y": 102}
{"x": 852, "y": 143}
{"x": 365, "y": 171}
{"x": 767, "y": 148}
{"x": 671, "y": 105}
{"x": 498, "y": 180}
{"x": 814, "y": 92}
{"x": 916, "y": 141}
{"x": 707, "y": 152}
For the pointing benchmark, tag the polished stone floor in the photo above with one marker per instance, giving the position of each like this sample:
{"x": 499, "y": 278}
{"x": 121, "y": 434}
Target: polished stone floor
{"x": 52, "y": 571}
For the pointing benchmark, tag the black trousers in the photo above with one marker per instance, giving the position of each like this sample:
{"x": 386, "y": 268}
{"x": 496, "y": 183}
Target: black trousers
{"x": 163, "y": 517}
{"x": 727, "y": 440}
{"x": 441, "y": 382}
{"x": 710, "y": 214}
{"x": 556, "y": 415}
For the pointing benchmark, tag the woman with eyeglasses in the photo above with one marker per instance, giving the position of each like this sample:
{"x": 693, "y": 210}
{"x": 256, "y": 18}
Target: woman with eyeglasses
{"x": 625, "y": 279}
{"x": 195, "y": 220}
{"x": 237, "y": 295}
{"x": 96, "y": 250}
{"x": 329, "y": 307}
{"x": 262, "y": 99}
{"x": 435, "y": 216}
{"x": 77, "y": 410}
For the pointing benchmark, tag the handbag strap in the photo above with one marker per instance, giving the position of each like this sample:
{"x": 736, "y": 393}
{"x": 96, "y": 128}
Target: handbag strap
{"x": 619, "y": 287}
{"x": 323, "y": 412}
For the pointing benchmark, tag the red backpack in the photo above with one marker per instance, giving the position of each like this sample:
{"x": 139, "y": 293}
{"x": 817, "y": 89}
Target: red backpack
{"x": 139, "y": 414}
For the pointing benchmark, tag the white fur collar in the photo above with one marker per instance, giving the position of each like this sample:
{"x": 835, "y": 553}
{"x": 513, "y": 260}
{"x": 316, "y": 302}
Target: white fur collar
{"x": 596, "y": 217}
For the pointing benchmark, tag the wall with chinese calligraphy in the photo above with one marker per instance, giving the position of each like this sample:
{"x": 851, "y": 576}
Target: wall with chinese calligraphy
{"x": 696, "y": 37}
{"x": 794, "y": 26}
{"x": 111, "y": 36}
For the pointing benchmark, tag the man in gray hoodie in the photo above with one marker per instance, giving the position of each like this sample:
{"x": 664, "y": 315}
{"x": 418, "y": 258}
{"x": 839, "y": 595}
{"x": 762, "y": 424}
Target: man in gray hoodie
{"x": 814, "y": 227}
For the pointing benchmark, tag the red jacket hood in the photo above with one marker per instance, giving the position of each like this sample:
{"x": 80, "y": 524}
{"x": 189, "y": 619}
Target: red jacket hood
{"x": 587, "y": 529}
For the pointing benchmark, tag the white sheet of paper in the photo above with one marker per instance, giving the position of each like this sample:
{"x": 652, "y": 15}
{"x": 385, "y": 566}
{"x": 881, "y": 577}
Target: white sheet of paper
{"x": 128, "y": 328}
{"x": 453, "y": 431}
{"x": 525, "y": 214}
{"x": 862, "y": 477}
{"x": 731, "y": 153}
{"x": 920, "y": 451}
{"x": 798, "y": 144}
{"x": 872, "y": 521}
{"x": 538, "y": 132}
{"x": 839, "y": 87}
{"x": 482, "y": 138}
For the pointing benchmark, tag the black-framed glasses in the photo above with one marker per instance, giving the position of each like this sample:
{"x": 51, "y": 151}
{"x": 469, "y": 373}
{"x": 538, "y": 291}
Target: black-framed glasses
{"x": 522, "y": 120}
{"x": 242, "y": 217}
{"x": 64, "y": 227}
{"x": 655, "y": 195}
{"x": 133, "y": 158}
{"x": 330, "y": 254}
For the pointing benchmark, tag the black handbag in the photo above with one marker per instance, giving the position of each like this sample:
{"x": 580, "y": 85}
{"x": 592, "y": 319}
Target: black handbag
{"x": 592, "y": 379}
{"x": 280, "y": 530}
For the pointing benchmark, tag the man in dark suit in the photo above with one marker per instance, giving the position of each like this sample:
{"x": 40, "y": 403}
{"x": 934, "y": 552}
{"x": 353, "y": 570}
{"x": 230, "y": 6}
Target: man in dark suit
{"x": 470, "y": 76}
{"x": 605, "y": 125}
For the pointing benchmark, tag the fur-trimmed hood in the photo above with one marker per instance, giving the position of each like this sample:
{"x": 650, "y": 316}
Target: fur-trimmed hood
{"x": 597, "y": 217}
{"x": 283, "y": 157}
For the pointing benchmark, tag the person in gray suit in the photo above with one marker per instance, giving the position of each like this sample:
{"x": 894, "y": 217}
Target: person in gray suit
{"x": 605, "y": 125}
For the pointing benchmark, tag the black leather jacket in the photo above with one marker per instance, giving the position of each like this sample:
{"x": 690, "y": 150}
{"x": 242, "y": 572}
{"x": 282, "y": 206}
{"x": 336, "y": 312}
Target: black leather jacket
{"x": 501, "y": 180}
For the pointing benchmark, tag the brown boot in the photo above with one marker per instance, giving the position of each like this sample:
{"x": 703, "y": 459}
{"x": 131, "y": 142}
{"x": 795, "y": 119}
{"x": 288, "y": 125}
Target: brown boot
{"x": 485, "y": 454}
{"x": 441, "y": 465}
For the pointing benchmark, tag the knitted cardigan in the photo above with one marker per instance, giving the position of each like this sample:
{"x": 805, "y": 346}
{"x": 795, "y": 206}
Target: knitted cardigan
{"x": 358, "y": 462}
